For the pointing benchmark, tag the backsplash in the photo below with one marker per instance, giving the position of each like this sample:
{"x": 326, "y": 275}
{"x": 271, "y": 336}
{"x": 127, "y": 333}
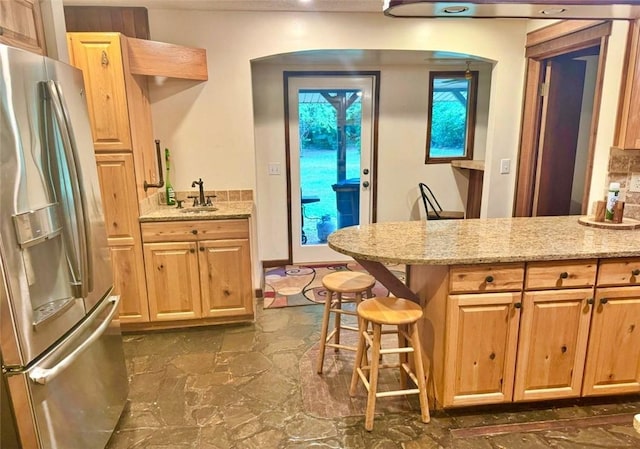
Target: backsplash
{"x": 621, "y": 164}
{"x": 159, "y": 199}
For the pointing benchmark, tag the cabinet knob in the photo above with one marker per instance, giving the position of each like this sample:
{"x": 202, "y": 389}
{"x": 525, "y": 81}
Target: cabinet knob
{"x": 563, "y": 348}
{"x": 192, "y": 250}
{"x": 636, "y": 272}
{"x": 194, "y": 231}
{"x": 1, "y": 31}
{"x": 518, "y": 305}
{"x": 604, "y": 301}
{"x": 492, "y": 356}
{"x": 488, "y": 279}
{"x": 202, "y": 248}
{"x": 591, "y": 301}
{"x": 564, "y": 275}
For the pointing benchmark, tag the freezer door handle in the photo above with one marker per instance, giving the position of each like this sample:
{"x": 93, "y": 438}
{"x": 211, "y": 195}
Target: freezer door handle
{"x": 82, "y": 268}
{"x": 44, "y": 375}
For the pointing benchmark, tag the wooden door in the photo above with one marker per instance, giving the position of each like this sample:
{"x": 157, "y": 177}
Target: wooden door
{"x": 225, "y": 277}
{"x": 480, "y": 357}
{"x": 613, "y": 356}
{"x": 172, "y": 281}
{"x": 120, "y": 205}
{"x": 552, "y": 344}
{"x": 560, "y": 124}
{"x": 99, "y": 57}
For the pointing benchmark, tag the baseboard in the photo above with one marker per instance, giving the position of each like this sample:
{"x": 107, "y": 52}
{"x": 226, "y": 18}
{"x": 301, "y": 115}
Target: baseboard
{"x": 275, "y": 263}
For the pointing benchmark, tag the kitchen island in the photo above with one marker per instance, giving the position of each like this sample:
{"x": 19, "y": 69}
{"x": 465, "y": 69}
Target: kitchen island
{"x": 515, "y": 309}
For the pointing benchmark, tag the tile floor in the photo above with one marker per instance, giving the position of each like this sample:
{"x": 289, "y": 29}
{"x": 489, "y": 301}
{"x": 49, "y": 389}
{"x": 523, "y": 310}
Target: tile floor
{"x": 254, "y": 386}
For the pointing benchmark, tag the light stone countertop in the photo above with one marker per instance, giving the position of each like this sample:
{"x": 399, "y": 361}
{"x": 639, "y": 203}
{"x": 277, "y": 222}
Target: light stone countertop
{"x": 492, "y": 240}
{"x": 226, "y": 210}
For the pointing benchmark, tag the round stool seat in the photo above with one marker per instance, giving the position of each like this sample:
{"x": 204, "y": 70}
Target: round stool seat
{"x": 348, "y": 281}
{"x": 388, "y": 310}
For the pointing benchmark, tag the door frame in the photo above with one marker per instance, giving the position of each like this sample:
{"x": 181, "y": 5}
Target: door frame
{"x": 374, "y": 135}
{"x": 555, "y": 40}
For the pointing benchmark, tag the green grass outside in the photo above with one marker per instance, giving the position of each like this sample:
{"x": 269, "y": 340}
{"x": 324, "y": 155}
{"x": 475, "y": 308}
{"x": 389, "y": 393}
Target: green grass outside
{"x": 318, "y": 172}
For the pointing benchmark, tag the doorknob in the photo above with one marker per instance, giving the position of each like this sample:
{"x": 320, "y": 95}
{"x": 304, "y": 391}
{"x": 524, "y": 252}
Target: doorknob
{"x": 365, "y": 184}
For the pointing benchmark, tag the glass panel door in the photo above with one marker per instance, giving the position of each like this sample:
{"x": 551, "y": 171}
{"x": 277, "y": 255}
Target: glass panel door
{"x": 330, "y": 120}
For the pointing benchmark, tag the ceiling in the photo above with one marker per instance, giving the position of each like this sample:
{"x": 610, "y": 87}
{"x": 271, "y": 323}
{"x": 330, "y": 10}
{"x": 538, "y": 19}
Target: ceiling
{"x": 245, "y": 5}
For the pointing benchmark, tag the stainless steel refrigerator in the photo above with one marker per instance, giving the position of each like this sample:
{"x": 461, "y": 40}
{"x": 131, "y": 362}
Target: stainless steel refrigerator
{"x": 61, "y": 348}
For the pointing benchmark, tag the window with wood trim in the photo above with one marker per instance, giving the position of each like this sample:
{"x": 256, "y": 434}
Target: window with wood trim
{"x": 452, "y": 116}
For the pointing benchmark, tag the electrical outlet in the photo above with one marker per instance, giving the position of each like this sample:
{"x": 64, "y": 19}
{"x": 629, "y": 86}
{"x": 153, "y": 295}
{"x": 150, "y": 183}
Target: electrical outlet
{"x": 634, "y": 182}
{"x": 505, "y": 166}
{"x": 274, "y": 168}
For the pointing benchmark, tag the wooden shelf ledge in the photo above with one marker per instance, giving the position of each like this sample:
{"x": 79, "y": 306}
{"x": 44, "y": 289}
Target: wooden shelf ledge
{"x": 471, "y": 165}
{"x": 154, "y": 58}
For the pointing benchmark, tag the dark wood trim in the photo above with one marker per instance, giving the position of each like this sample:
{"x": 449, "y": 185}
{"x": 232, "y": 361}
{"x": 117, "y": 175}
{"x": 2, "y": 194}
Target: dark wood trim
{"x": 557, "y": 30}
{"x": 274, "y": 263}
{"x": 374, "y": 133}
{"x": 130, "y": 21}
{"x": 567, "y": 43}
{"x": 474, "y": 194}
{"x": 287, "y": 157}
{"x": 530, "y": 128}
{"x": 626, "y": 85}
{"x": 472, "y": 103}
{"x": 382, "y": 274}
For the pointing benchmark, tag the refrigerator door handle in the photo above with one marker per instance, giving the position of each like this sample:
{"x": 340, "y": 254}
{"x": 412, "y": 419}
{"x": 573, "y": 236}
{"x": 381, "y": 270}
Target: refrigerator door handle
{"x": 83, "y": 279}
{"x": 43, "y": 375}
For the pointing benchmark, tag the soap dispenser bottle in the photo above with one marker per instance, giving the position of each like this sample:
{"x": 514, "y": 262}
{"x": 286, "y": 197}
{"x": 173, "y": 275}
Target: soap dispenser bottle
{"x": 170, "y": 193}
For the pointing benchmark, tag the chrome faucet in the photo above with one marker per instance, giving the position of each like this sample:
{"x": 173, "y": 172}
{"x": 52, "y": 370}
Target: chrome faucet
{"x": 200, "y": 184}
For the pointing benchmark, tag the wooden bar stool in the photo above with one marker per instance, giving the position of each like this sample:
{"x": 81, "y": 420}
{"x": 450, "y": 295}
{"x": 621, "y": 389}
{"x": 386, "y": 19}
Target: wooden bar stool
{"x": 337, "y": 284}
{"x": 394, "y": 312}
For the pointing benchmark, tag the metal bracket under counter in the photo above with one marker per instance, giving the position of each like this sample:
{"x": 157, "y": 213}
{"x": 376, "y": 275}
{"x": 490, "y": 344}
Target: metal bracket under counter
{"x": 474, "y": 191}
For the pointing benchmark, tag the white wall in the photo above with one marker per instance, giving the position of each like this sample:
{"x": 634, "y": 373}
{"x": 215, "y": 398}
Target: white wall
{"x": 209, "y": 126}
{"x": 403, "y": 107}
{"x": 608, "y": 109}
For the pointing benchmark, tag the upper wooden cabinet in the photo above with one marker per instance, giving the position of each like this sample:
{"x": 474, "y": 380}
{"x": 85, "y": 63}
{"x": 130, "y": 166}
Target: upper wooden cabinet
{"x": 99, "y": 56}
{"x": 628, "y": 129}
{"x": 115, "y": 70}
{"x": 21, "y": 25}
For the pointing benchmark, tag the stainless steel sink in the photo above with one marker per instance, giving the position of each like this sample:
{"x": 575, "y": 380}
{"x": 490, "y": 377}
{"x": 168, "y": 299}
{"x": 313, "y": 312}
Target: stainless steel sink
{"x": 198, "y": 209}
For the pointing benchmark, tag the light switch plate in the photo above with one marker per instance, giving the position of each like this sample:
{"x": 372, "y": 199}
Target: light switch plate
{"x": 505, "y": 166}
{"x": 634, "y": 182}
{"x": 274, "y": 168}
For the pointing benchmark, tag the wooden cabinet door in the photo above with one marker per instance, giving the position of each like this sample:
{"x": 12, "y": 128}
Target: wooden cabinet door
{"x": 99, "y": 57}
{"x": 129, "y": 283}
{"x": 172, "y": 281}
{"x": 480, "y": 357}
{"x": 21, "y": 25}
{"x": 225, "y": 276}
{"x": 120, "y": 205}
{"x": 552, "y": 344}
{"x": 613, "y": 356}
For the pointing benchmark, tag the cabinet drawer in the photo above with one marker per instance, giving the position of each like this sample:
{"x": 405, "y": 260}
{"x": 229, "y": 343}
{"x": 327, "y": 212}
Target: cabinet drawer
{"x": 190, "y": 231}
{"x": 489, "y": 278}
{"x": 574, "y": 273}
{"x": 619, "y": 272}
